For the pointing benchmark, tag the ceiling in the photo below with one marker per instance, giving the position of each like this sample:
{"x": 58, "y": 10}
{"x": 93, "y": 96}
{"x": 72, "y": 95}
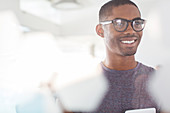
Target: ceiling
{"x": 65, "y": 20}
{"x": 42, "y": 15}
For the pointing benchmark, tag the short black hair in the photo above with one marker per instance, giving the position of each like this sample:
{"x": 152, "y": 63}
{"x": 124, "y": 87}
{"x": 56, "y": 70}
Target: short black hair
{"x": 106, "y": 9}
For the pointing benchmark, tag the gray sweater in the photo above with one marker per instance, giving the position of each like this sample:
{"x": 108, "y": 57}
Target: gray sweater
{"x": 127, "y": 90}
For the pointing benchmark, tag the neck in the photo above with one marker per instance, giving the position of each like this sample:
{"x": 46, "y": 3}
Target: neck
{"x": 120, "y": 62}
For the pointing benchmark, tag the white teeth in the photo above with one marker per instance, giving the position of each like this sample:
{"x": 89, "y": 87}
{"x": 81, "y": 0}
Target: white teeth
{"x": 128, "y": 42}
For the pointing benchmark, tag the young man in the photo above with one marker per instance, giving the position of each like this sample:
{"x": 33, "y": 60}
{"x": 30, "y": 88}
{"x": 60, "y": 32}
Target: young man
{"x": 121, "y": 28}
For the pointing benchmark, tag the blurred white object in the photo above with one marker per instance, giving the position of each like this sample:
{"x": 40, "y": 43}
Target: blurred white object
{"x": 147, "y": 110}
{"x": 9, "y": 32}
{"x": 25, "y": 63}
{"x": 9, "y": 40}
{"x": 159, "y": 84}
{"x": 83, "y": 87}
{"x": 159, "y": 87}
{"x": 38, "y": 58}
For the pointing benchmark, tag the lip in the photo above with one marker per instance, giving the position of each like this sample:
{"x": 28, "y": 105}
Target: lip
{"x": 128, "y": 38}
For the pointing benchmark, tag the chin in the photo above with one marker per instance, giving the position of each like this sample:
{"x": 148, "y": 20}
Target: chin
{"x": 129, "y": 53}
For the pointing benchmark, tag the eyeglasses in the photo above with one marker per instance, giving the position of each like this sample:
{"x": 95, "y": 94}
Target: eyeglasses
{"x": 121, "y": 25}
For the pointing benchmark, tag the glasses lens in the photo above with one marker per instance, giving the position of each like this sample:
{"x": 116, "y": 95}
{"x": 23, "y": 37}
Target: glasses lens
{"x": 120, "y": 25}
{"x": 138, "y": 25}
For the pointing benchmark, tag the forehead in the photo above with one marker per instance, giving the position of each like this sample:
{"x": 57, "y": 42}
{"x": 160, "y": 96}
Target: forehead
{"x": 125, "y": 11}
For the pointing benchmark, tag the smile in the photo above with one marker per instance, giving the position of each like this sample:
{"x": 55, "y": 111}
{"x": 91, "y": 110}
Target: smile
{"x": 128, "y": 41}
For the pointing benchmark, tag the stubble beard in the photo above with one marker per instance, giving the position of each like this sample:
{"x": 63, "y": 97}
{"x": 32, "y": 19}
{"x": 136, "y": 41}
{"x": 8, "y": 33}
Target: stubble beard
{"x": 129, "y": 53}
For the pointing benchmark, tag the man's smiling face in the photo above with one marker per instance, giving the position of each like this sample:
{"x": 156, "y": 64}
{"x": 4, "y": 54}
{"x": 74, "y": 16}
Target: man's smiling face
{"x": 122, "y": 43}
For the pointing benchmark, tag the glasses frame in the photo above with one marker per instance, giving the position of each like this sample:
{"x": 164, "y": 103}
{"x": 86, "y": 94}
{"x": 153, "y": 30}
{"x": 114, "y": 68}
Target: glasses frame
{"x": 131, "y": 21}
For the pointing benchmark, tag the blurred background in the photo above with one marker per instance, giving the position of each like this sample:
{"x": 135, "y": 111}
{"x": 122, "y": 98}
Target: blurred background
{"x": 73, "y": 22}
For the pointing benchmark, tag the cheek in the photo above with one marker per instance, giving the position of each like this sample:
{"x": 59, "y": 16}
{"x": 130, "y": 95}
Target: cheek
{"x": 140, "y": 34}
{"x": 110, "y": 36}
{"x": 111, "y": 42}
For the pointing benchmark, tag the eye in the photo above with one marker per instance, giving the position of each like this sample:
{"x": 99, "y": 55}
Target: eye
{"x": 138, "y": 23}
{"x": 119, "y": 23}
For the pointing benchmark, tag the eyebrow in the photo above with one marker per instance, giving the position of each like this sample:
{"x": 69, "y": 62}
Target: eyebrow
{"x": 127, "y": 19}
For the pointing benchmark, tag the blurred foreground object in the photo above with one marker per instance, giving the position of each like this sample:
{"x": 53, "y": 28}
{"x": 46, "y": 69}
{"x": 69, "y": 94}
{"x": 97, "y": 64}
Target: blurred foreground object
{"x": 159, "y": 87}
{"x": 159, "y": 24}
{"x": 40, "y": 101}
{"x": 83, "y": 87}
{"x": 9, "y": 39}
{"x": 26, "y": 60}
{"x": 38, "y": 58}
{"x": 29, "y": 60}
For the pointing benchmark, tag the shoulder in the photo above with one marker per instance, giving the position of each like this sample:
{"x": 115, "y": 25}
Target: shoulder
{"x": 143, "y": 76}
{"x": 143, "y": 73}
{"x": 145, "y": 69}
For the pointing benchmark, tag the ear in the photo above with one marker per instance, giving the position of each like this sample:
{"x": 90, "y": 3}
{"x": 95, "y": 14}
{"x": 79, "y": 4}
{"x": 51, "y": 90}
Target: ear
{"x": 99, "y": 30}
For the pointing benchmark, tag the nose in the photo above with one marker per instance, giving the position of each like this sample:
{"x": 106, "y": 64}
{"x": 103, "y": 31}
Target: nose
{"x": 129, "y": 28}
